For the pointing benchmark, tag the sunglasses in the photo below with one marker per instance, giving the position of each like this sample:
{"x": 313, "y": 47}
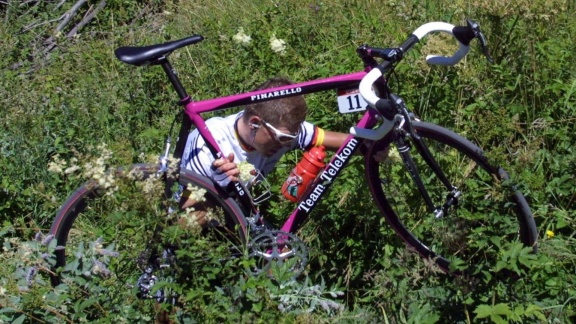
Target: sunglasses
{"x": 281, "y": 137}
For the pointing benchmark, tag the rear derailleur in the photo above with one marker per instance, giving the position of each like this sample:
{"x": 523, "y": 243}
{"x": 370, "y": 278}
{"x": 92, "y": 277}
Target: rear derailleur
{"x": 151, "y": 264}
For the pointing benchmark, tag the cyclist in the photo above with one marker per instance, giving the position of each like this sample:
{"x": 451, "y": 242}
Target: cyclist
{"x": 259, "y": 135}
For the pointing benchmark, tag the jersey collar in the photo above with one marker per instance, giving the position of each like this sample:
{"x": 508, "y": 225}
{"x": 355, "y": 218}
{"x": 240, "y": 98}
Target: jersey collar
{"x": 243, "y": 144}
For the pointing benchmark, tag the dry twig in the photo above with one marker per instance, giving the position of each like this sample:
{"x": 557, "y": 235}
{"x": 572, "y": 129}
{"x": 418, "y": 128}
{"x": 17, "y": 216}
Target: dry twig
{"x": 87, "y": 19}
{"x": 51, "y": 43}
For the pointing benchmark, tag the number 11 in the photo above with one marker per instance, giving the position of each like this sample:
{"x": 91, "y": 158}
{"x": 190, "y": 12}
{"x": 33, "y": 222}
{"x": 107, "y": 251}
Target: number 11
{"x": 357, "y": 102}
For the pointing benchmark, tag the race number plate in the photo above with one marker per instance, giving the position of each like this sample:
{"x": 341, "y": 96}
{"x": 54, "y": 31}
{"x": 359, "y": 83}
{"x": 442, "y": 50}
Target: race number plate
{"x": 350, "y": 100}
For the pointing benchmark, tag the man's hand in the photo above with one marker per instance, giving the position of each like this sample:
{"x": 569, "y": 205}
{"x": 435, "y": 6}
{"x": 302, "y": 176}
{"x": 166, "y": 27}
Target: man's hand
{"x": 226, "y": 168}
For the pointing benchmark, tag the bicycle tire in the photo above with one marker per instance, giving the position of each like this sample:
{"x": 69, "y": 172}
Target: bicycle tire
{"x": 82, "y": 202}
{"x": 484, "y": 210}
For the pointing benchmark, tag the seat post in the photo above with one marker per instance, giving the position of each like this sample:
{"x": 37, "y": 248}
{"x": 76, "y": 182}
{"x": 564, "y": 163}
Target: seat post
{"x": 186, "y": 124}
{"x": 174, "y": 79}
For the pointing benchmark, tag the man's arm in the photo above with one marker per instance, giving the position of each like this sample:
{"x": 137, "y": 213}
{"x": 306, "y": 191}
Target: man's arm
{"x": 333, "y": 140}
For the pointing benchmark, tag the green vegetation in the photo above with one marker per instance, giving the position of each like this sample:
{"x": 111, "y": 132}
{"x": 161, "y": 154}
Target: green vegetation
{"x": 63, "y": 94}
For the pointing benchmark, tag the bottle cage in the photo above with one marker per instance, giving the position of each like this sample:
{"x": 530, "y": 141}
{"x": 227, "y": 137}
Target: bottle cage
{"x": 259, "y": 189}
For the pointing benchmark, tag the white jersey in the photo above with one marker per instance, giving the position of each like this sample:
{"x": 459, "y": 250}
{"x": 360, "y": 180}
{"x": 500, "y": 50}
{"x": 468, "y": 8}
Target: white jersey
{"x": 197, "y": 157}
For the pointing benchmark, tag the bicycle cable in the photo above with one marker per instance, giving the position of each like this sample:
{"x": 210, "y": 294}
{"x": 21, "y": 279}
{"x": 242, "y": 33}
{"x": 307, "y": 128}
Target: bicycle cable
{"x": 171, "y": 131}
{"x": 392, "y": 73}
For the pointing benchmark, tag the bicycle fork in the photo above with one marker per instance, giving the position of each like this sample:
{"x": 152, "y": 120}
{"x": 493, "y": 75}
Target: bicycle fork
{"x": 404, "y": 148}
{"x": 453, "y": 193}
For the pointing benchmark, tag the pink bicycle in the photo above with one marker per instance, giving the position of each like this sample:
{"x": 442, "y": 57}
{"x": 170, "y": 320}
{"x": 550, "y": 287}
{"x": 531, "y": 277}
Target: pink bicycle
{"x": 436, "y": 189}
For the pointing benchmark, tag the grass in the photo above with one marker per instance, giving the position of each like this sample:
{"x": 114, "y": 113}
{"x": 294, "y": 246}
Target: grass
{"x": 79, "y": 96}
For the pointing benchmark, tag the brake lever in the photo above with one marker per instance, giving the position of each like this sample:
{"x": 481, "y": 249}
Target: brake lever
{"x": 475, "y": 28}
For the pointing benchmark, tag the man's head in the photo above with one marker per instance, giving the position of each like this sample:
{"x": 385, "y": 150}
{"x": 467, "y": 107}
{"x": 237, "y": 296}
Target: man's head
{"x": 275, "y": 123}
{"x": 287, "y": 112}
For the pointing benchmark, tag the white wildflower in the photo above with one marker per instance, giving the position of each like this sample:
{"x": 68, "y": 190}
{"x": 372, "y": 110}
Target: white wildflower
{"x": 278, "y": 45}
{"x": 135, "y": 174}
{"x": 98, "y": 248}
{"x": 110, "y": 191}
{"x": 188, "y": 218}
{"x": 72, "y": 169}
{"x": 191, "y": 219}
{"x": 241, "y": 37}
{"x": 56, "y": 165}
{"x": 196, "y": 194}
{"x": 2, "y": 291}
{"x": 173, "y": 168}
{"x": 26, "y": 252}
{"x": 245, "y": 171}
{"x": 151, "y": 185}
{"x": 97, "y": 170}
{"x": 105, "y": 153}
{"x": 88, "y": 166}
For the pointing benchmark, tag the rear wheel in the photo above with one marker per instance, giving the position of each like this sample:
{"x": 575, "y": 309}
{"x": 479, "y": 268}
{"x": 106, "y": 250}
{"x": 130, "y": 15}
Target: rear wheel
{"x": 489, "y": 211}
{"x": 134, "y": 219}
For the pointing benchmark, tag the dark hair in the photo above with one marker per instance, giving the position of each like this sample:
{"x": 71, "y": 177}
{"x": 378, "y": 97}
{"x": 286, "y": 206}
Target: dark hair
{"x": 287, "y": 112}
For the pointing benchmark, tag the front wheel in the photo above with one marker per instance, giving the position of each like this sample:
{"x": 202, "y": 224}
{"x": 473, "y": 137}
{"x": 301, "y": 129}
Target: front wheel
{"x": 487, "y": 211}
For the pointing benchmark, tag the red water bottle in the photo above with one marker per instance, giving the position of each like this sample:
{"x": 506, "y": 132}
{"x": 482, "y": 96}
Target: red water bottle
{"x": 302, "y": 175}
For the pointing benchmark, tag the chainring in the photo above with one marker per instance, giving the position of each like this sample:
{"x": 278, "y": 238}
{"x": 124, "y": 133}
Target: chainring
{"x": 280, "y": 251}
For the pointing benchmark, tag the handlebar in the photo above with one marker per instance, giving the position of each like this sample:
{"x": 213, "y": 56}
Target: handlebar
{"x": 431, "y": 27}
{"x": 463, "y": 34}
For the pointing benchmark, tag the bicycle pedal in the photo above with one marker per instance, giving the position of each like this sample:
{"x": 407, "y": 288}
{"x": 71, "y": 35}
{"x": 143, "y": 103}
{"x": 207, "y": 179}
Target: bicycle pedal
{"x": 145, "y": 283}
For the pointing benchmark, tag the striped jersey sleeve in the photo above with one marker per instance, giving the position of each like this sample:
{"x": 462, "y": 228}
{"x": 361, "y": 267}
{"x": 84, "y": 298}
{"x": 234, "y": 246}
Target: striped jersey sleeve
{"x": 197, "y": 156}
{"x": 310, "y": 136}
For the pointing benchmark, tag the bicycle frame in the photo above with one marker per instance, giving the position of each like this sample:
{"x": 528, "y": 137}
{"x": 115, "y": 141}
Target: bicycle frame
{"x": 194, "y": 109}
{"x": 364, "y": 80}
{"x": 387, "y": 119}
